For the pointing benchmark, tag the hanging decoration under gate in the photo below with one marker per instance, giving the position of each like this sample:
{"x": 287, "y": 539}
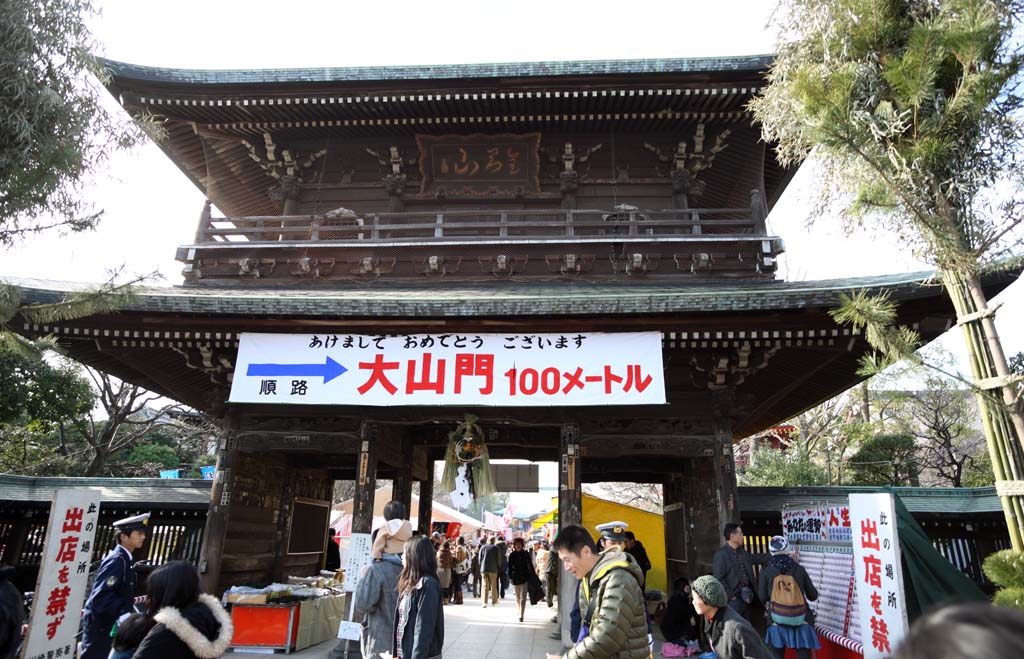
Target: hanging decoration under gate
{"x": 466, "y": 447}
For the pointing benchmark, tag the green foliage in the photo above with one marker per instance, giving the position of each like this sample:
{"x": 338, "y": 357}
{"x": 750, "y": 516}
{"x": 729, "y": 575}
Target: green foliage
{"x": 885, "y": 460}
{"x": 54, "y": 129}
{"x": 1006, "y": 570}
{"x": 772, "y": 467}
{"x": 37, "y": 394}
{"x": 911, "y": 108}
{"x": 876, "y": 316}
{"x": 158, "y": 456}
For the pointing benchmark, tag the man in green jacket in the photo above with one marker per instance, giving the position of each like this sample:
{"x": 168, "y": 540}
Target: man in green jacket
{"x": 610, "y": 599}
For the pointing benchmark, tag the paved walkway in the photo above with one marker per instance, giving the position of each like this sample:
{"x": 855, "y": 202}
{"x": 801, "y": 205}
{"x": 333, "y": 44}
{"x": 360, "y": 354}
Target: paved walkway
{"x": 473, "y": 632}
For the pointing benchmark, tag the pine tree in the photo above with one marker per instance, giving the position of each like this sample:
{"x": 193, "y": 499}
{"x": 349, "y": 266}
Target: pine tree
{"x": 911, "y": 108}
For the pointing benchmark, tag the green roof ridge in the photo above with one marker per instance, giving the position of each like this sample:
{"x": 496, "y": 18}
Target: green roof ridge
{"x": 139, "y": 72}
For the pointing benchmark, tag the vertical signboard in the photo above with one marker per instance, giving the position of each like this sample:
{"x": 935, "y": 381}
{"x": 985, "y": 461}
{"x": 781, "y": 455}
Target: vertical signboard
{"x": 63, "y": 575}
{"x": 358, "y": 558}
{"x": 878, "y": 573}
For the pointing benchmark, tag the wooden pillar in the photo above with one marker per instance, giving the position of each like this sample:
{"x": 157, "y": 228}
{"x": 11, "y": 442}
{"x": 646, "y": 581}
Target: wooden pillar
{"x": 401, "y": 489}
{"x": 675, "y": 495}
{"x": 711, "y": 493}
{"x": 366, "y": 480}
{"x": 570, "y": 511}
{"x": 725, "y": 466}
{"x": 426, "y": 507}
{"x": 212, "y": 553}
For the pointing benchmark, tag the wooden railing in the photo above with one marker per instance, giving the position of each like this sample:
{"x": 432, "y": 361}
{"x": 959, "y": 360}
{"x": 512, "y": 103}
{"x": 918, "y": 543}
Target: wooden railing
{"x": 457, "y": 226}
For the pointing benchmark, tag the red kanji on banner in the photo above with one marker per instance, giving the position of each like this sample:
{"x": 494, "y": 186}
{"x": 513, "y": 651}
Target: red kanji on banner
{"x": 62, "y": 576}
{"x": 377, "y": 370}
{"x": 876, "y": 602}
{"x": 873, "y": 571}
{"x": 68, "y": 547}
{"x": 73, "y": 521}
{"x": 879, "y": 634}
{"x": 425, "y": 383}
{"x": 471, "y": 365}
{"x": 869, "y": 534}
{"x": 58, "y": 601}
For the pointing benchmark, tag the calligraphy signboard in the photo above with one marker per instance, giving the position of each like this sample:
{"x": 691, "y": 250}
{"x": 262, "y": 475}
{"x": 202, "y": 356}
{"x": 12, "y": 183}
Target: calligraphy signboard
{"x": 63, "y": 575}
{"x": 519, "y": 370}
{"x": 357, "y": 560}
{"x": 878, "y": 573}
{"x": 479, "y": 165}
{"x": 822, "y": 524}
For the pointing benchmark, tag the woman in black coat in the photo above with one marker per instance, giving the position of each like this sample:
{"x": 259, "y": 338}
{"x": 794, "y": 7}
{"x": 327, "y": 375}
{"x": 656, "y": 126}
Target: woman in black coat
{"x": 189, "y": 623}
{"x": 520, "y": 569}
{"x": 419, "y": 620}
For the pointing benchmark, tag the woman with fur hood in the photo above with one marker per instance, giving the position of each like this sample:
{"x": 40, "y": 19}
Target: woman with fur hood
{"x": 189, "y": 623}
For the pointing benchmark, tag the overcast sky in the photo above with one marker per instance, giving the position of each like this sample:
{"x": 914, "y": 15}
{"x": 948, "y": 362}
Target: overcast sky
{"x": 151, "y": 207}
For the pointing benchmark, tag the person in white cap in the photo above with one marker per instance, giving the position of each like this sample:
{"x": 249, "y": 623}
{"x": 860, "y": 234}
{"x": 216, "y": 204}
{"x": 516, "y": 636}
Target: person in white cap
{"x": 614, "y": 533}
{"x": 785, "y": 587}
{"x": 113, "y": 588}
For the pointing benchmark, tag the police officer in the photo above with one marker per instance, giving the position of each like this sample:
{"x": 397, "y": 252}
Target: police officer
{"x": 614, "y": 534}
{"x": 113, "y": 588}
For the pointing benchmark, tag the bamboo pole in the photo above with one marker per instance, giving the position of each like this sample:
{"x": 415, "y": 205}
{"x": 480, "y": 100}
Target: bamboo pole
{"x": 1002, "y": 422}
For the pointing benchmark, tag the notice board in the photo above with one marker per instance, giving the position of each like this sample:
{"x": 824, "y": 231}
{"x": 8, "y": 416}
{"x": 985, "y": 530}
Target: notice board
{"x": 308, "y": 527}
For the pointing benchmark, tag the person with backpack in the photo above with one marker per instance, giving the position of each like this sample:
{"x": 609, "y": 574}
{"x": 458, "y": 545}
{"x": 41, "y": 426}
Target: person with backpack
{"x": 785, "y": 587}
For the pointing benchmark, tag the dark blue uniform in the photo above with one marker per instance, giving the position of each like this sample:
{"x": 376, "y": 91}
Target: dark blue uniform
{"x": 112, "y": 592}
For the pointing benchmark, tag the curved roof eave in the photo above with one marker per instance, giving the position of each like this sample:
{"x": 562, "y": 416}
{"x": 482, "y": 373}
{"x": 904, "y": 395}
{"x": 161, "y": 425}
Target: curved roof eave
{"x": 542, "y": 299}
{"x": 160, "y": 75}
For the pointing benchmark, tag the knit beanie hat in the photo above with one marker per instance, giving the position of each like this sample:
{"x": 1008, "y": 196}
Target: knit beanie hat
{"x": 711, "y": 591}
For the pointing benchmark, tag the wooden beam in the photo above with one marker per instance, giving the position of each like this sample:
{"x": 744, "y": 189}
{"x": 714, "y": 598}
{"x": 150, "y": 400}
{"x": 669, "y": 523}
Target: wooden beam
{"x": 426, "y": 506}
{"x": 570, "y": 512}
{"x": 366, "y": 481}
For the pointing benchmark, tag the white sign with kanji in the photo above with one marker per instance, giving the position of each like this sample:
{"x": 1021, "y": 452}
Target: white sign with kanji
{"x": 878, "y": 574}
{"x": 508, "y": 370}
{"x": 357, "y": 559}
{"x": 61, "y": 588}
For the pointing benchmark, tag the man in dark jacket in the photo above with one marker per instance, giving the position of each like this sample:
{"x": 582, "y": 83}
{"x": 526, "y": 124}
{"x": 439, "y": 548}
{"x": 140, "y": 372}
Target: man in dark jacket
{"x": 113, "y": 587}
{"x": 490, "y": 563}
{"x": 733, "y": 565}
{"x": 731, "y": 636}
{"x": 636, "y": 549}
{"x": 502, "y": 549}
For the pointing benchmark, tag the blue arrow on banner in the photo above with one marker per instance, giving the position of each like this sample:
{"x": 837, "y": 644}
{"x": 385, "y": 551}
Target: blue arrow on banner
{"x": 329, "y": 370}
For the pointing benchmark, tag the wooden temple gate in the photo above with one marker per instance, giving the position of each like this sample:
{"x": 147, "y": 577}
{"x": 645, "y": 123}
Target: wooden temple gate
{"x": 510, "y": 199}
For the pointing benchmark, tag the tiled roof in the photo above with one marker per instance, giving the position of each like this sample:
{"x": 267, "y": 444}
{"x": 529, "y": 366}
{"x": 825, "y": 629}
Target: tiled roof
{"x": 169, "y": 493}
{"x": 437, "y": 71}
{"x": 504, "y": 298}
{"x": 933, "y": 500}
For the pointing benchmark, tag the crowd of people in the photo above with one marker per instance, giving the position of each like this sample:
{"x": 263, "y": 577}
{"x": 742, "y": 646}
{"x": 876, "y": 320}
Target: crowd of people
{"x": 401, "y": 595}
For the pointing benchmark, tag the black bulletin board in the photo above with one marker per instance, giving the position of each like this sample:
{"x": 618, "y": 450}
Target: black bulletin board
{"x": 307, "y": 530}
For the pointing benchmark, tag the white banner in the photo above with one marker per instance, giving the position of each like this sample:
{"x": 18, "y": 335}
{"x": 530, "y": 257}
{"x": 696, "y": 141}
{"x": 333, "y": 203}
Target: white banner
{"x": 63, "y": 575}
{"x": 516, "y": 370}
{"x": 878, "y": 573}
